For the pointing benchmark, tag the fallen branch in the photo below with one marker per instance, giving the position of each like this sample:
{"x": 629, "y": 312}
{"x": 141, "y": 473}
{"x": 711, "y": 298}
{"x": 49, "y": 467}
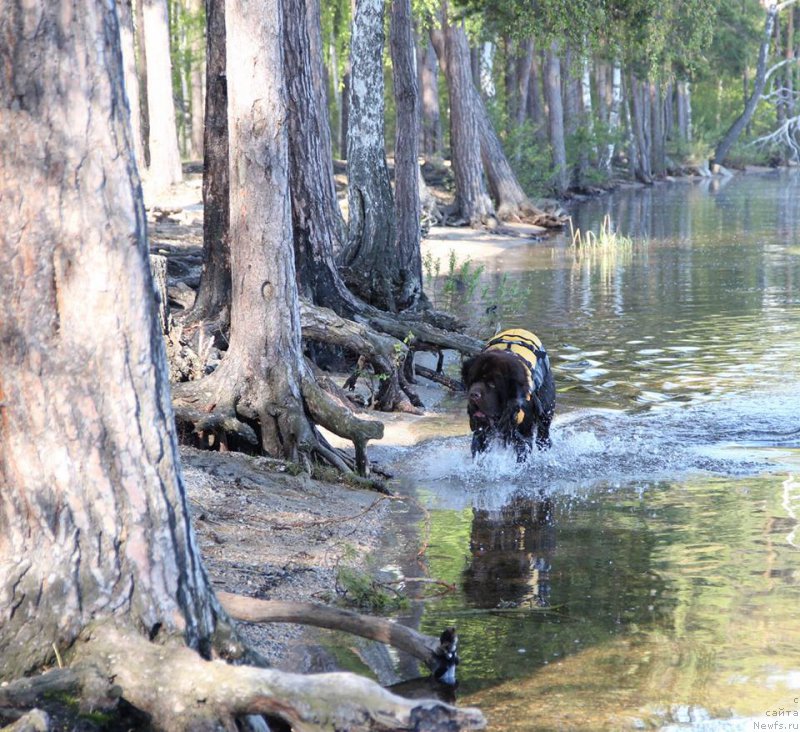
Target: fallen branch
{"x": 438, "y": 377}
{"x": 423, "y": 647}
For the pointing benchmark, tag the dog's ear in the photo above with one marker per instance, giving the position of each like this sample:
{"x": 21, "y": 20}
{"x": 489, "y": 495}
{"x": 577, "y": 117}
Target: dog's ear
{"x": 466, "y": 368}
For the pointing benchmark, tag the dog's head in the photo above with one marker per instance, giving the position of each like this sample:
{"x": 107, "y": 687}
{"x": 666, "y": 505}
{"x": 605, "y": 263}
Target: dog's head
{"x": 492, "y": 379}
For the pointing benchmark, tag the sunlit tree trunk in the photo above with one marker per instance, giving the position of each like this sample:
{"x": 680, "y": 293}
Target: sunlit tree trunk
{"x": 369, "y": 260}
{"x": 93, "y": 516}
{"x": 684, "y": 111}
{"x": 613, "y": 113}
{"x": 472, "y": 201}
{"x": 165, "y": 159}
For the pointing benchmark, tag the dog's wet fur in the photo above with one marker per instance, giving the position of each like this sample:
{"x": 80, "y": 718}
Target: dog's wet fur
{"x": 497, "y": 387}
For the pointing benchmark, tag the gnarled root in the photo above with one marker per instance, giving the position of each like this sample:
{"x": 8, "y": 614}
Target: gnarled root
{"x": 224, "y": 410}
{"x": 181, "y": 691}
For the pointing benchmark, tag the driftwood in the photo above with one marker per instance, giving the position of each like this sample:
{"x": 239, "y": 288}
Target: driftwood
{"x": 432, "y": 652}
{"x": 181, "y": 691}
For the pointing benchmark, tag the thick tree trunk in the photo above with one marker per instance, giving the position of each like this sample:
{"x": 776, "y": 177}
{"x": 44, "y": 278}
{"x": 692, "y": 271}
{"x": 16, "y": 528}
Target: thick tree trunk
{"x": 369, "y": 261}
{"x": 262, "y": 369}
{"x": 92, "y": 513}
{"x": 472, "y": 201}
{"x": 406, "y": 156}
{"x": 125, "y": 9}
{"x": 214, "y": 293}
{"x": 316, "y": 218}
{"x": 556, "y": 119}
{"x": 429, "y": 86}
{"x": 165, "y": 160}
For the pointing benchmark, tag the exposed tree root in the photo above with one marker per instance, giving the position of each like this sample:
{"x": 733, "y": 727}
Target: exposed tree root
{"x": 180, "y": 691}
{"x": 224, "y": 410}
{"x": 426, "y": 648}
{"x": 439, "y": 378}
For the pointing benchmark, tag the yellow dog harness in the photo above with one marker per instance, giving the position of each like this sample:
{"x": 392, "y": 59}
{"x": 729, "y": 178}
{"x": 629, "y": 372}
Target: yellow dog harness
{"x": 529, "y": 348}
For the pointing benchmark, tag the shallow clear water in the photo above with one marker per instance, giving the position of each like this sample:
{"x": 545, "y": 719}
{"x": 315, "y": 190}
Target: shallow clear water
{"x": 645, "y": 572}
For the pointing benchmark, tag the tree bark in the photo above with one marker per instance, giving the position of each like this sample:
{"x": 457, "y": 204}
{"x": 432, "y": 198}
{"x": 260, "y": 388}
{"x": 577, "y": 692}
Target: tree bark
{"x": 131, "y": 78}
{"x": 92, "y": 513}
{"x": 141, "y": 72}
{"x": 214, "y": 292}
{"x": 317, "y": 221}
{"x": 613, "y": 113}
{"x": 165, "y": 160}
{"x": 369, "y": 261}
{"x": 472, "y": 202}
{"x": 406, "y": 156}
{"x": 556, "y": 119}
{"x": 429, "y": 85}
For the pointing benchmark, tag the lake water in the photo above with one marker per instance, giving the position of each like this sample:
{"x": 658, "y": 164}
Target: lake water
{"x": 645, "y": 572}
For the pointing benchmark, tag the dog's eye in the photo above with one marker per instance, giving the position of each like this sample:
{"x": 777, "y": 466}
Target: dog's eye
{"x": 490, "y": 384}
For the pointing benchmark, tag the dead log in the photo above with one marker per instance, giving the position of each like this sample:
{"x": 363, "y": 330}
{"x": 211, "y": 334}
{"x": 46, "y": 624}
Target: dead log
{"x": 426, "y": 337}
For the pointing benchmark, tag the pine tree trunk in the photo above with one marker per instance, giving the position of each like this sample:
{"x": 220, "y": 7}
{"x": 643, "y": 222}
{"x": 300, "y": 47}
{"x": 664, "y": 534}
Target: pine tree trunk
{"x": 316, "y": 218}
{"x": 472, "y": 202}
{"x": 214, "y": 293}
{"x": 556, "y": 119}
{"x": 406, "y": 160}
{"x": 93, "y": 512}
{"x": 429, "y": 87}
{"x": 131, "y": 79}
{"x": 165, "y": 159}
{"x": 369, "y": 261}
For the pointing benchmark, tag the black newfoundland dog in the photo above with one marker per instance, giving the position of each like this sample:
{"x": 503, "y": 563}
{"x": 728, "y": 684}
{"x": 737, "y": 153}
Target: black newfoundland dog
{"x": 511, "y": 392}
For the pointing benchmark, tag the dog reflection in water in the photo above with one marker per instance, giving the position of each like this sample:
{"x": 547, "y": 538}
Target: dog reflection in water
{"x": 510, "y": 552}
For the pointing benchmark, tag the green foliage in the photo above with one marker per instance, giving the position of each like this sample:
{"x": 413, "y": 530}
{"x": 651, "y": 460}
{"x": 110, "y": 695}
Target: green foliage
{"x": 358, "y": 589}
{"x": 460, "y": 282}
